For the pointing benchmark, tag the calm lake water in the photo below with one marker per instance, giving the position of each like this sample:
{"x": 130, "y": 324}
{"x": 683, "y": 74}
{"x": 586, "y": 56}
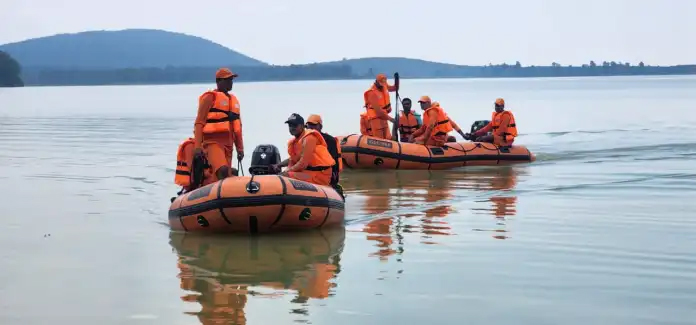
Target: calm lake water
{"x": 600, "y": 230}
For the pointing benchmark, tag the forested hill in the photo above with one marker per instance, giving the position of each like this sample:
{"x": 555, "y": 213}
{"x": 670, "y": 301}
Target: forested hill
{"x": 131, "y": 48}
{"x": 10, "y": 71}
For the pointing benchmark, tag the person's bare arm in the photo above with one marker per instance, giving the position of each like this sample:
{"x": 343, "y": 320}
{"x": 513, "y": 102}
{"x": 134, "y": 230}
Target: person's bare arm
{"x": 456, "y": 127}
{"x": 238, "y": 137}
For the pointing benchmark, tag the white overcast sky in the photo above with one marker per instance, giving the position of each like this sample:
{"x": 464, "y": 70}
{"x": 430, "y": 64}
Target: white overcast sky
{"x": 454, "y": 31}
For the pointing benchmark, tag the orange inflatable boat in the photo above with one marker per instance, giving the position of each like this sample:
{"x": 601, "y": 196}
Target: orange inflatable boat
{"x": 259, "y": 203}
{"x": 366, "y": 152}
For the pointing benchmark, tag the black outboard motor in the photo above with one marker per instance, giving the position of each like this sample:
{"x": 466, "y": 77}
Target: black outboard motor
{"x": 479, "y": 125}
{"x": 262, "y": 158}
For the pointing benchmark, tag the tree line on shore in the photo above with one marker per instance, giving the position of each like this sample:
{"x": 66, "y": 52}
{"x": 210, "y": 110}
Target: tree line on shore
{"x": 11, "y": 74}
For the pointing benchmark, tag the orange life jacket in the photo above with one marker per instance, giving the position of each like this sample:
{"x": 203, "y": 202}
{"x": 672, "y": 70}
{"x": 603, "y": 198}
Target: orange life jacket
{"x": 225, "y": 111}
{"x": 384, "y": 101}
{"x": 321, "y": 159}
{"x": 364, "y": 125}
{"x": 442, "y": 124}
{"x": 496, "y": 119}
{"x": 184, "y": 165}
{"x": 407, "y": 124}
{"x": 184, "y": 160}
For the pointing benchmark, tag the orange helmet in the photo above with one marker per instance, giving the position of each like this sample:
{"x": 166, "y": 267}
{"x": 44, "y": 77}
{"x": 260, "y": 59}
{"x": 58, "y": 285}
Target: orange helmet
{"x": 424, "y": 99}
{"x": 224, "y": 73}
{"x": 500, "y": 102}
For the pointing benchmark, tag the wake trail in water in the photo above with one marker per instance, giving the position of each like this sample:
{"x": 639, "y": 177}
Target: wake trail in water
{"x": 677, "y": 151}
{"x": 561, "y": 133}
{"x": 595, "y": 146}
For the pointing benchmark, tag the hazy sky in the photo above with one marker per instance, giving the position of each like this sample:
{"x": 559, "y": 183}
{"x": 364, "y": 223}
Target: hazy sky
{"x": 304, "y": 31}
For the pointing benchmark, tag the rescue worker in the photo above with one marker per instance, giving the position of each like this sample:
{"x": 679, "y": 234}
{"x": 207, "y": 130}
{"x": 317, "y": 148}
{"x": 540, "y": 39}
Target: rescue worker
{"x": 314, "y": 122}
{"x": 378, "y": 105}
{"x": 408, "y": 122}
{"x": 502, "y": 125}
{"x": 218, "y": 126}
{"x": 436, "y": 125}
{"x": 310, "y": 159}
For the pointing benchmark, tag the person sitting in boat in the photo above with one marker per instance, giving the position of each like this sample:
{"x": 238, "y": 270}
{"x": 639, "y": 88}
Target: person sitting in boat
{"x": 502, "y": 124}
{"x": 408, "y": 123}
{"x": 314, "y": 122}
{"x": 310, "y": 160}
{"x": 436, "y": 125}
{"x": 378, "y": 106}
{"x": 218, "y": 126}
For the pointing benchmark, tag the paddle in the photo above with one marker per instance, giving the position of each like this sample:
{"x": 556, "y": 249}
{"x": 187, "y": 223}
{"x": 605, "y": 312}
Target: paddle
{"x": 395, "y": 127}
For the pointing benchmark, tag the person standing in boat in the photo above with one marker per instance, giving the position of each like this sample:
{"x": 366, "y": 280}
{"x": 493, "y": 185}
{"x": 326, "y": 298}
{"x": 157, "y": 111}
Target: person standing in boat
{"x": 218, "y": 126}
{"x": 408, "y": 122}
{"x": 436, "y": 125}
{"x": 314, "y": 122}
{"x": 310, "y": 160}
{"x": 378, "y": 105}
{"x": 502, "y": 124}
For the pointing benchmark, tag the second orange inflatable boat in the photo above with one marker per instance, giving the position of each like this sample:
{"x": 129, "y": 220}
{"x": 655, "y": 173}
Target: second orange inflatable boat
{"x": 367, "y": 152}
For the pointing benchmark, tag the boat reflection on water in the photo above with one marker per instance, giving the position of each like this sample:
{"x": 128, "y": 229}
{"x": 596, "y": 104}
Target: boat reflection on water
{"x": 502, "y": 204}
{"x": 223, "y": 272}
{"x": 430, "y": 195}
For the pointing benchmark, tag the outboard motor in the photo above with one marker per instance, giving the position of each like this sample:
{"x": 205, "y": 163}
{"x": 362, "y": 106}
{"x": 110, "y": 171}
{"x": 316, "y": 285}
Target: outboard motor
{"x": 262, "y": 158}
{"x": 479, "y": 125}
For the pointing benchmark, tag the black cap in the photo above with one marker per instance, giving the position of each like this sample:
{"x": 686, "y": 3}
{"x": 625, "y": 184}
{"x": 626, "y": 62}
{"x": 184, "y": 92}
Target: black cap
{"x": 406, "y": 99}
{"x": 295, "y": 119}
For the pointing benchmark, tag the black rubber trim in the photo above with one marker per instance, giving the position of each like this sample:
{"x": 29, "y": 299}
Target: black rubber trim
{"x": 435, "y": 160}
{"x": 181, "y": 218}
{"x": 345, "y": 140}
{"x": 282, "y": 207}
{"x": 276, "y": 199}
{"x": 222, "y": 211}
{"x": 398, "y": 162}
{"x": 357, "y": 161}
{"x": 326, "y": 217}
{"x": 460, "y": 149}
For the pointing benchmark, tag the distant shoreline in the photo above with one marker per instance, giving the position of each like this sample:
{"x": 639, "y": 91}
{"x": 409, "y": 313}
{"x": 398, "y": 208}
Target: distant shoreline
{"x": 199, "y": 82}
{"x": 157, "y": 57}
